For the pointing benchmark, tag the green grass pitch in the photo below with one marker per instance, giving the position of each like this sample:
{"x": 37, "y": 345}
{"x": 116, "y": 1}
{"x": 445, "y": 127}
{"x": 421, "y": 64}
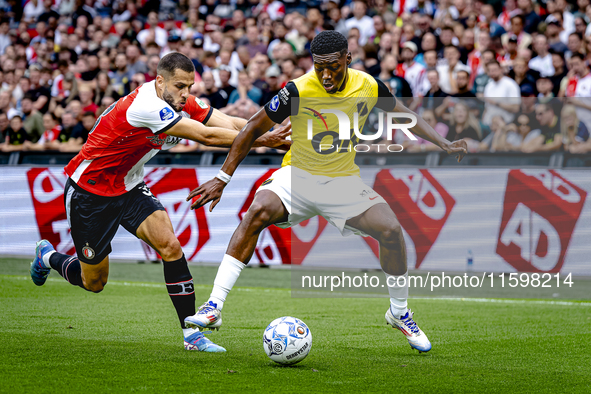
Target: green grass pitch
{"x": 60, "y": 339}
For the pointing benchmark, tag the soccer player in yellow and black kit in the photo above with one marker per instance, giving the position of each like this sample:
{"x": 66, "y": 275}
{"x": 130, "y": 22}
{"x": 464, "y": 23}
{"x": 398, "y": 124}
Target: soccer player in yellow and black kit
{"x": 326, "y": 177}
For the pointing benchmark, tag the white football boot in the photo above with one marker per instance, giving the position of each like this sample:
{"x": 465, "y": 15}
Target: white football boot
{"x": 416, "y": 337}
{"x": 208, "y": 316}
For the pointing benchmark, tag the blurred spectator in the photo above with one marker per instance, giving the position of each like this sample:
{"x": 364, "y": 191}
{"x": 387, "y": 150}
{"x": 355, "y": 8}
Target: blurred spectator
{"x": 579, "y": 88}
{"x": 245, "y": 90}
{"x": 412, "y": 71}
{"x": 501, "y": 95}
{"x": 104, "y": 88}
{"x": 522, "y": 75}
{"x": 16, "y": 135}
{"x": 86, "y": 99}
{"x": 550, "y": 138}
{"x": 217, "y": 98}
{"x": 49, "y": 139}
{"x": 463, "y": 124}
{"x": 559, "y": 71}
{"x": 462, "y": 81}
{"x": 153, "y": 32}
{"x": 272, "y": 84}
{"x": 544, "y": 87}
{"x": 543, "y": 61}
{"x": 31, "y": 118}
{"x": 448, "y": 72}
{"x": 362, "y": 22}
{"x": 517, "y": 24}
{"x": 575, "y": 135}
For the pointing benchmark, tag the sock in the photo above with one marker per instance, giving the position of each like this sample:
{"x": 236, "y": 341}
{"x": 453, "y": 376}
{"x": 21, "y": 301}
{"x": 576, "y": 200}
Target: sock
{"x": 398, "y": 294}
{"x": 179, "y": 284}
{"x": 188, "y": 331}
{"x": 46, "y": 257}
{"x": 68, "y": 267}
{"x": 227, "y": 275}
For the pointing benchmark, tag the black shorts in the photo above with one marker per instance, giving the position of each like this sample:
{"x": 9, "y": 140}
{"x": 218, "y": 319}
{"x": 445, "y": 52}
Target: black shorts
{"x": 94, "y": 219}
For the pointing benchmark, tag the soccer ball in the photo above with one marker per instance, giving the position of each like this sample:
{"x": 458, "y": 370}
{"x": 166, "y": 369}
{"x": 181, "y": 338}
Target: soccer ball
{"x": 287, "y": 340}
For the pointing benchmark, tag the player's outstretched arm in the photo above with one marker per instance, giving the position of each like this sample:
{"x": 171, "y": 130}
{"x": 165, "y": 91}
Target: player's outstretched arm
{"x": 223, "y": 137}
{"x": 220, "y": 119}
{"x": 423, "y": 130}
{"x": 212, "y": 190}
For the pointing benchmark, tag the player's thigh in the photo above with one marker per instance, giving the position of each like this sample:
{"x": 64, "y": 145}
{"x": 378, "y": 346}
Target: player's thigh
{"x": 94, "y": 221}
{"x": 376, "y": 221}
{"x": 95, "y": 273}
{"x": 146, "y": 218}
{"x": 156, "y": 229}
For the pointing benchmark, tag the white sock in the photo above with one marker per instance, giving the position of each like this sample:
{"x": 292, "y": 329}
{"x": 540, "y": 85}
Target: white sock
{"x": 227, "y": 275}
{"x": 46, "y": 257}
{"x": 398, "y": 294}
{"x": 188, "y": 331}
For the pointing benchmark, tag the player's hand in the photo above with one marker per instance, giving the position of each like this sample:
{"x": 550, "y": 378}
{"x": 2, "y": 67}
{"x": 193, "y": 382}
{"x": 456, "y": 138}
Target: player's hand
{"x": 210, "y": 191}
{"x": 460, "y": 147}
{"x": 277, "y": 138}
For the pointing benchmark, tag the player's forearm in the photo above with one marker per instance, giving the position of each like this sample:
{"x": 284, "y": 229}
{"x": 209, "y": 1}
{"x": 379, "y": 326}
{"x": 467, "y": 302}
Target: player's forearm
{"x": 238, "y": 123}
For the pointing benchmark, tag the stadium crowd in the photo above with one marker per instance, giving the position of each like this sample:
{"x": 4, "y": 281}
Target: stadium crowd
{"x": 507, "y": 75}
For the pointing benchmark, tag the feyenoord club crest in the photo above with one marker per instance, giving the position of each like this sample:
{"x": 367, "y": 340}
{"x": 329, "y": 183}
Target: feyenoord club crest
{"x": 88, "y": 252}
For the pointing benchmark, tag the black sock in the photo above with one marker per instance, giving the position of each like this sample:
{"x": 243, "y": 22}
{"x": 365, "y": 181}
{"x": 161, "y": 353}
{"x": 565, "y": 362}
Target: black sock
{"x": 179, "y": 284}
{"x": 68, "y": 267}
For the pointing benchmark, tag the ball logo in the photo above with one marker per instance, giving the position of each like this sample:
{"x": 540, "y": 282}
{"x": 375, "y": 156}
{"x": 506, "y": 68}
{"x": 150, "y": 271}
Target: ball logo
{"x": 166, "y": 114}
{"x": 274, "y": 104}
{"x": 301, "y": 330}
{"x": 88, "y": 252}
{"x": 277, "y": 348}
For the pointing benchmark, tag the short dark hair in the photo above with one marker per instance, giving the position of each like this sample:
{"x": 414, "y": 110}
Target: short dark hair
{"x": 329, "y": 41}
{"x": 465, "y": 72}
{"x": 168, "y": 65}
{"x": 578, "y": 55}
{"x": 89, "y": 113}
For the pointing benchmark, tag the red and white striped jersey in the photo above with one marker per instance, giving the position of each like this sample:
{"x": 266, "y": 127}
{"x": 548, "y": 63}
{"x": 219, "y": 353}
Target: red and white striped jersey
{"x": 126, "y": 136}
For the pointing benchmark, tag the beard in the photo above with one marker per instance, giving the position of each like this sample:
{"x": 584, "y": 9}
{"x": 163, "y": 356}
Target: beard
{"x": 167, "y": 97}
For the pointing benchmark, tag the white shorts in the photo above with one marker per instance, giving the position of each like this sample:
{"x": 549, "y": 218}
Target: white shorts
{"x": 336, "y": 199}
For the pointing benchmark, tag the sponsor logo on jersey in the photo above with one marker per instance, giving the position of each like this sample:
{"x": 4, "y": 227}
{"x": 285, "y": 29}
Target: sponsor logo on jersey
{"x": 274, "y": 104}
{"x": 166, "y": 114}
{"x": 201, "y": 103}
{"x": 157, "y": 140}
{"x": 284, "y": 95}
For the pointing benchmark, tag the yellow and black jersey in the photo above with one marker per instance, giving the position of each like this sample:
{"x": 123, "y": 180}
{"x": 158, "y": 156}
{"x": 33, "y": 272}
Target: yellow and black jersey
{"x": 316, "y": 144}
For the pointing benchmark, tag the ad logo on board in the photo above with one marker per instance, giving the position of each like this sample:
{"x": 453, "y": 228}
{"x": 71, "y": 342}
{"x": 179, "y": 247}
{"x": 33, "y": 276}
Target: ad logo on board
{"x": 540, "y": 211}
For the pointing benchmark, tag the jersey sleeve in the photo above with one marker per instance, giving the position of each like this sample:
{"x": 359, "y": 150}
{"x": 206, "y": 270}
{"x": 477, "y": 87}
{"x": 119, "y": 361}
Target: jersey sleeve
{"x": 154, "y": 114}
{"x": 198, "y": 110}
{"x": 283, "y": 104}
{"x": 386, "y": 101}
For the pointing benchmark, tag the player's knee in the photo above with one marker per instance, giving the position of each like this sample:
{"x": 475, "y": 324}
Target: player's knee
{"x": 258, "y": 216}
{"x": 171, "y": 249}
{"x": 391, "y": 236}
